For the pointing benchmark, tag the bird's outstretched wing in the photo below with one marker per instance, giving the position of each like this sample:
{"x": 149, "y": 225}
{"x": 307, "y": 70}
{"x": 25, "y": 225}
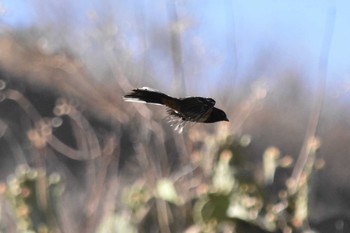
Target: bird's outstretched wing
{"x": 194, "y": 109}
{"x": 176, "y": 120}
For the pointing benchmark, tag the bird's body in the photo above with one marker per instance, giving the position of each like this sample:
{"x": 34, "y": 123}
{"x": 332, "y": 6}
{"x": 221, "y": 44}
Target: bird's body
{"x": 180, "y": 110}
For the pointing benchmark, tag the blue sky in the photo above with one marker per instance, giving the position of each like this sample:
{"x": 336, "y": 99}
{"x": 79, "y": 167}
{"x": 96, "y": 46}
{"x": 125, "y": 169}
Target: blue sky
{"x": 235, "y": 33}
{"x": 17, "y": 12}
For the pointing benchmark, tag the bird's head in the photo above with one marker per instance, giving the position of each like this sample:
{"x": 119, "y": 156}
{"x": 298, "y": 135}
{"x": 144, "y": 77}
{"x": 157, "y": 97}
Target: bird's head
{"x": 217, "y": 115}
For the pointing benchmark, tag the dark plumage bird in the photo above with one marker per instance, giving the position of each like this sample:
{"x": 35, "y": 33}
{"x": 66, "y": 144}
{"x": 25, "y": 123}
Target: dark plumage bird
{"x": 180, "y": 110}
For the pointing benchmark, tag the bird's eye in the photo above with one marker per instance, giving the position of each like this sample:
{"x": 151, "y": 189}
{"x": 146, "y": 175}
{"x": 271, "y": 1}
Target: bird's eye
{"x": 211, "y": 100}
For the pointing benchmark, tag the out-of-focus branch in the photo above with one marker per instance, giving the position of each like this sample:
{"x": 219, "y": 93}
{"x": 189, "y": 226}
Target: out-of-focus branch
{"x": 176, "y": 48}
{"x": 317, "y": 107}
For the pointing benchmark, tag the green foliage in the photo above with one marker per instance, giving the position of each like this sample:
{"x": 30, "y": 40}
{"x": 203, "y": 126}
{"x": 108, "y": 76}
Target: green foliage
{"x": 34, "y": 196}
{"x": 230, "y": 198}
{"x": 116, "y": 223}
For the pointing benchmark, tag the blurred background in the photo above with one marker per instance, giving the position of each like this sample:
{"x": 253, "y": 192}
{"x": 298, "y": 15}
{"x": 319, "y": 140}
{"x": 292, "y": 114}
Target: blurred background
{"x": 76, "y": 158}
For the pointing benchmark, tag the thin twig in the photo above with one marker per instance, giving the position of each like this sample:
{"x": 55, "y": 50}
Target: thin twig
{"x": 317, "y": 107}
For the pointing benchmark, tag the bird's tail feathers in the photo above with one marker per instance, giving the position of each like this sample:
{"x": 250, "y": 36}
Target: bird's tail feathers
{"x": 147, "y": 95}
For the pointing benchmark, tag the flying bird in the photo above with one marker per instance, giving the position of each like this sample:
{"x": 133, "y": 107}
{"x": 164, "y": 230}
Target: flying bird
{"x": 180, "y": 110}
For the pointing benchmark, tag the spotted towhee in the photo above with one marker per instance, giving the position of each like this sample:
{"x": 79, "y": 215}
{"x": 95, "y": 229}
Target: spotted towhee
{"x": 180, "y": 110}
